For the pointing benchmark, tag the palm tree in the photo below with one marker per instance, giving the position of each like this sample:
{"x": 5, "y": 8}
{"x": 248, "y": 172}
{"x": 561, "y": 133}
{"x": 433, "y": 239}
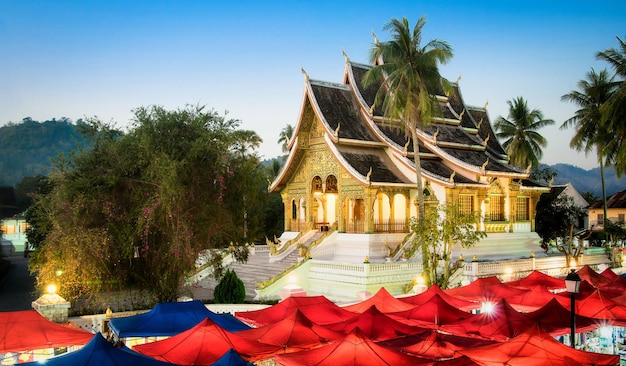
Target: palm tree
{"x": 522, "y": 142}
{"x": 285, "y": 136}
{"x": 614, "y": 109}
{"x": 409, "y": 75}
{"x": 592, "y": 93}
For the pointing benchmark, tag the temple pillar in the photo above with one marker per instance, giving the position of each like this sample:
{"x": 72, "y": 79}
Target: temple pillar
{"x": 370, "y": 196}
{"x": 287, "y": 207}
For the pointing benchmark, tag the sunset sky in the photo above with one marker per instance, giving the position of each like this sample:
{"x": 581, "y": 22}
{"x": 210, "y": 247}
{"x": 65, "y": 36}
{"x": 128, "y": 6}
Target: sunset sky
{"x": 104, "y": 58}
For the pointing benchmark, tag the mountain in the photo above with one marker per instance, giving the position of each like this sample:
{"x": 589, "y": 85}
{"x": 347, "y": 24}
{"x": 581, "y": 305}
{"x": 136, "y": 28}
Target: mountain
{"x": 27, "y": 148}
{"x": 588, "y": 180}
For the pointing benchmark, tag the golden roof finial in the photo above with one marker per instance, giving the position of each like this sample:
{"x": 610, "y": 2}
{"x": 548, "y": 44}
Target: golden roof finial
{"x": 479, "y": 123}
{"x": 486, "y": 140}
{"x": 486, "y": 104}
{"x": 372, "y": 110}
{"x": 435, "y": 135}
{"x": 375, "y": 38}
{"x": 345, "y": 55}
{"x": 461, "y": 115}
{"x": 457, "y": 80}
{"x": 484, "y": 166}
{"x": 306, "y": 76}
{"x": 369, "y": 175}
{"x": 406, "y": 146}
{"x": 452, "y": 176}
{"x": 529, "y": 167}
{"x": 337, "y": 129}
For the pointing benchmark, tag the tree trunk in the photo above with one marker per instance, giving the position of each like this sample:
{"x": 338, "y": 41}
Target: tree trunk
{"x": 420, "y": 202}
{"x": 601, "y": 159}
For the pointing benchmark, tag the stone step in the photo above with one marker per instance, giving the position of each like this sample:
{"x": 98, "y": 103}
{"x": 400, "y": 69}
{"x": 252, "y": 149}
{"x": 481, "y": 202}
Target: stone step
{"x": 257, "y": 269}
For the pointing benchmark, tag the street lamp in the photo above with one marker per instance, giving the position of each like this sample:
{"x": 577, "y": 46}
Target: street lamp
{"x": 572, "y": 284}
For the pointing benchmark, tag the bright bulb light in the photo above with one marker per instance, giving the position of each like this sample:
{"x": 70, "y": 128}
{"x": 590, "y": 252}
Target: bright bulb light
{"x": 487, "y": 307}
{"x": 420, "y": 280}
{"x": 51, "y": 289}
{"x": 292, "y": 279}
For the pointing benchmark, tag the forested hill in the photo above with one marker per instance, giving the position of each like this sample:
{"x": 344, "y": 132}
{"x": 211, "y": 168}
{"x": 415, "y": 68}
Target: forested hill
{"x": 26, "y": 148}
{"x": 588, "y": 180}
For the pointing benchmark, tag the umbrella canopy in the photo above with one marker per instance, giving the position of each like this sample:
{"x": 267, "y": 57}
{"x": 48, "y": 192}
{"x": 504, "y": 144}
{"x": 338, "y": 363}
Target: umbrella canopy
{"x": 598, "y": 306}
{"x": 27, "y": 330}
{"x": 295, "y": 331}
{"x": 588, "y": 274}
{"x": 433, "y": 290}
{"x": 384, "y": 302}
{"x": 434, "y": 345}
{"x": 203, "y": 344}
{"x": 99, "y": 352}
{"x": 537, "y": 278}
{"x": 555, "y": 319}
{"x": 538, "y": 297}
{"x": 376, "y": 325}
{"x": 501, "y": 323}
{"x": 355, "y": 349}
{"x": 535, "y": 347}
{"x": 436, "y": 311}
{"x": 487, "y": 289}
{"x": 170, "y": 318}
{"x": 318, "y": 309}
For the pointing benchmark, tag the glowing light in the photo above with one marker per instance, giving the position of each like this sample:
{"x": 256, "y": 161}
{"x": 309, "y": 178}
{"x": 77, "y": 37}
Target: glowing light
{"x": 508, "y": 271}
{"x": 572, "y": 263}
{"x": 420, "y": 280}
{"x": 292, "y": 279}
{"x": 487, "y": 308}
{"x": 51, "y": 289}
{"x": 606, "y": 332}
{"x": 58, "y": 272}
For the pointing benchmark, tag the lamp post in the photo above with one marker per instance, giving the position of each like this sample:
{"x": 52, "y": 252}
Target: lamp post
{"x": 572, "y": 284}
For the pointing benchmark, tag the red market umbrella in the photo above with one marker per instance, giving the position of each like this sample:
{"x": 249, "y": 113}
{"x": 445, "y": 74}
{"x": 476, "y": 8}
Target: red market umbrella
{"x": 318, "y": 309}
{"x": 384, "y": 302}
{"x": 555, "y": 319}
{"x": 588, "y": 274}
{"x": 537, "y": 278}
{"x": 501, "y": 323}
{"x": 204, "y": 344}
{"x": 355, "y": 349}
{"x": 535, "y": 347}
{"x": 376, "y": 325}
{"x": 436, "y": 311}
{"x": 487, "y": 289}
{"x": 434, "y": 345}
{"x": 434, "y": 290}
{"x": 295, "y": 331}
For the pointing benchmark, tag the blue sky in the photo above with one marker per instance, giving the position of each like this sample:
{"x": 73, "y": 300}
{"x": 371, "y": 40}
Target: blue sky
{"x": 104, "y": 58}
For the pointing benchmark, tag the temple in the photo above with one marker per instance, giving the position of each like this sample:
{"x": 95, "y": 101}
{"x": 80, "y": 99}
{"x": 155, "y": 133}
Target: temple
{"x": 351, "y": 171}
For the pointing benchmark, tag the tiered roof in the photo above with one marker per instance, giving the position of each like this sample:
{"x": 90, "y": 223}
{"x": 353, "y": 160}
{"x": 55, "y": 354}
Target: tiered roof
{"x": 455, "y": 149}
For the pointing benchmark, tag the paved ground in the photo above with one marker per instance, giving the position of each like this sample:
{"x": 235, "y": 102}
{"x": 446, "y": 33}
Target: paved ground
{"x": 17, "y": 287}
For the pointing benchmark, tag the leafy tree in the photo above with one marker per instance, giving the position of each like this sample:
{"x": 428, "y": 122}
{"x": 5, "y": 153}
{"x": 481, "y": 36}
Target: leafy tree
{"x": 441, "y": 231}
{"x": 230, "y": 290}
{"x": 556, "y": 221}
{"x": 137, "y": 208}
{"x": 614, "y": 109}
{"x": 285, "y": 137}
{"x": 589, "y": 197}
{"x": 591, "y": 134}
{"x": 544, "y": 175}
{"x": 522, "y": 142}
{"x": 28, "y": 188}
{"x": 408, "y": 73}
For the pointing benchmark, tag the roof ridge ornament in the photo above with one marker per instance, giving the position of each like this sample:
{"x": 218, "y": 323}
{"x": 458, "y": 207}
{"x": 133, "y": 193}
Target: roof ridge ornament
{"x": 479, "y": 123}
{"x": 406, "y": 146}
{"x": 529, "y": 167}
{"x": 484, "y": 166}
{"x": 486, "y": 104}
{"x": 376, "y": 42}
{"x": 368, "y": 176}
{"x": 452, "y": 176}
{"x": 306, "y": 76}
{"x": 461, "y": 115}
{"x": 457, "y": 80}
{"x": 486, "y": 140}
{"x": 345, "y": 55}
{"x": 435, "y": 136}
{"x": 337, "y": 129}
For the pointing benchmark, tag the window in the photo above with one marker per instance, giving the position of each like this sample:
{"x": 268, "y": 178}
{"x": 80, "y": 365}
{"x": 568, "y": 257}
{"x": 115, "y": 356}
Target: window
{"x": 620, "y": 217}
{"x": 601, "y": 219}
{"x": 466, "y": 204}
{"x": 522, "y": 212}
{"x": 496, "y": 208}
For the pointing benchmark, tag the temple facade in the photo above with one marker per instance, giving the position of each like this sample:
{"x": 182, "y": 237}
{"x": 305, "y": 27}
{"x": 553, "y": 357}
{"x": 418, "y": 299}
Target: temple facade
{"x": 351, "y": 170}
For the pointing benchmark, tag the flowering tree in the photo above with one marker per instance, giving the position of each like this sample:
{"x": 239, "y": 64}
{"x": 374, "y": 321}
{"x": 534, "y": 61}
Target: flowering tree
{"x": 137, "y": 208}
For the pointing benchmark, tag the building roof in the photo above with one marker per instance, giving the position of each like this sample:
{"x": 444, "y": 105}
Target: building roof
{"x": 616, "y": 200}
{"x": 455, "y": 149}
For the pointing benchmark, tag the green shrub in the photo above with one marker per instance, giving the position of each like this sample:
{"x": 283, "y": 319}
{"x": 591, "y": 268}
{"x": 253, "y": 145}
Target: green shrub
{"x": 230, "y": 290}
